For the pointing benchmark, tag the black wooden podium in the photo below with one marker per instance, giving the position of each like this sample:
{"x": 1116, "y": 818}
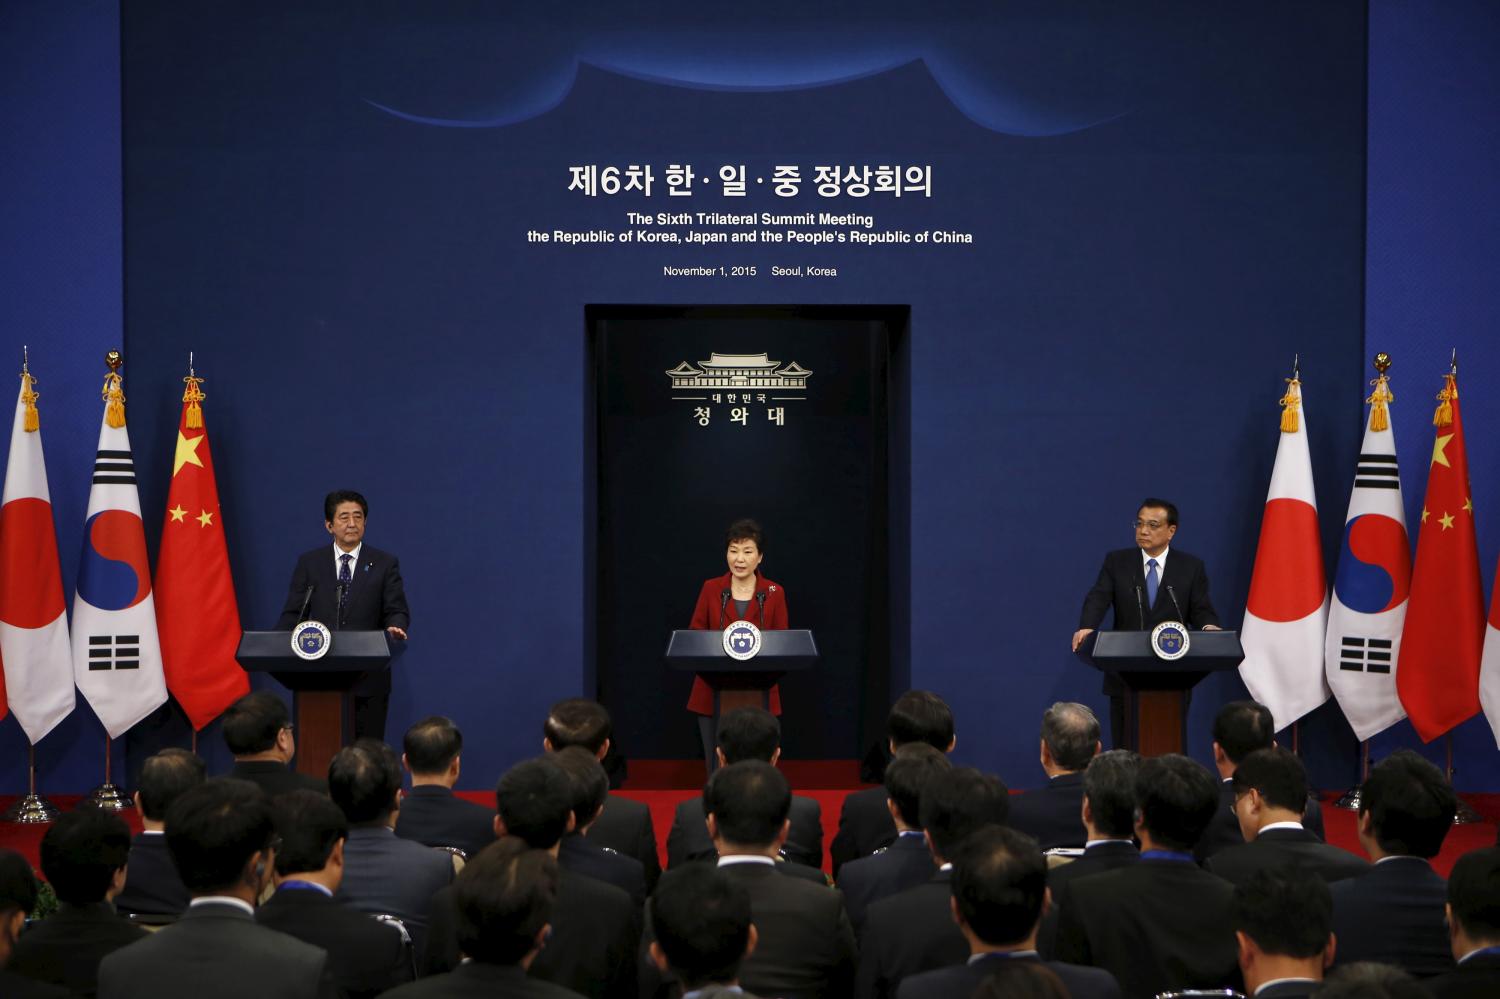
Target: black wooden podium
{"x": 322, "y": 702}
{"x": 1156, "y": 689}
{"x": 741, "y": 683}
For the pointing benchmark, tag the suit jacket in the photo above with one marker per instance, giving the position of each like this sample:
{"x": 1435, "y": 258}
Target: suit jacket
{"x": 713, "y": 613}
{"x": 1096, "y": 859}
{"x": 961, "y": 980}
{"x": 865, "y": 825}
{"x": 904, "y": 864}
{"x": 433, "y": 815}
{"x": 625, "y": 827}
{"x": 581, "y": 855}
{"x": 275, "y": 778}
{"x": 14, "y": 986}
{"x": 365, "y": 957}
{"x": 476, "y": 980}
{"x": 688, "y": 838}
{"x": 1156, "y": 926}
{"x": 66, "y": 948}
{"x": 1224, "y": 829}
{"x": 906, "y": 934}
{"x": 215, "y": 950}
{"x": 1476, "y": 978}
{"x": 595, "y": 932}
{"x": 376, "y": 600}
{"x": 152, "y": 884}
{"x": 1276, "y": 848}
{"x": 1393, "y": 914}
{"x": 1052, "y": 814}
{"x": 385, "y": 874}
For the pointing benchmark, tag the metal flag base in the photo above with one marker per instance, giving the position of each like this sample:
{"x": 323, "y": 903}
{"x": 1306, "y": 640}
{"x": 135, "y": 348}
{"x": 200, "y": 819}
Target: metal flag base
{"x": 1349, "y": 800}
{"x": 110, "y": 796}
{"x": 1465, "y": 814}
{"x": 32, "y": 810}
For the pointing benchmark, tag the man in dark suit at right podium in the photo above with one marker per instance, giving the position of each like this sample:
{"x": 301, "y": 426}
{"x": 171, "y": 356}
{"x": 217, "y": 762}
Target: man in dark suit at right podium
{"x": 1146, "y": 585}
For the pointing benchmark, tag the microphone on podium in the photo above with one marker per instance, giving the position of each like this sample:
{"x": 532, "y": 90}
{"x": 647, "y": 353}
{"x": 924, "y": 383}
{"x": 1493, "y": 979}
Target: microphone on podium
{"x": 306, "y": 600}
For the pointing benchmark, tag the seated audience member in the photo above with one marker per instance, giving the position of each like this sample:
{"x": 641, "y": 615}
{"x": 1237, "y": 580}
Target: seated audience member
{"x": 18, "y": 891}
{"x": 1023, "y": 980}
{"x": 1270, "y": 789}
{"x": 1070, "y": 738}
{"x": 747, "y": 734}
{"x": 700, "y": 919}
{"x": 1240, "y": 728}
{"x": 1163, "y": 923}
{"x": 503, "y": 901}
{"x": 580, "y": 852}
{"x": 222, "y": 837}
{"x": 382, "y": 874}
{"x": 1369, "y": 980}
{"x": 865, "y": 823}
{"x": 258, "y": 732}
{"x": 152, "y": 884}
{"x": 625, "y": 826}
{"x": 907, "y": 862}
{"x": 1473, "y": 928}
{"x": 1394, "y": 913}
{"x": 365, "y": 957}
{"x": 595, "y": 926}
{"x": 913, "y": 931}
{"x": 999, "y": 893}
{"x": 1283, "y": 927}
{"x": 431, "y": 813}
{"x": 83, "y": 857}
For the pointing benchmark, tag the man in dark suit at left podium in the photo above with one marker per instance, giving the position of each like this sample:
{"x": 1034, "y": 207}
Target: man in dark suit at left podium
{"x": 354, "y": 587}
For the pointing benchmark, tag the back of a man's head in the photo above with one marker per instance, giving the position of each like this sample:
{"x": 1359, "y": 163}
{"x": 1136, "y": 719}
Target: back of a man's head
{"x": 749, "y": 802}
{"x": 252, "y": 723}
{"x": 999, "y": 880}
{"x": 309, "y": 824}
{"x": 920, "y": 716}
{"x": 1474, "y": 896}
{"x": 1109, "y": 788}
{"x": 958, "y": 802}
{"x": 503, "y": 898}
{"x": 1071, "y": 733}
{"x": 1176, "y": 798}
{"x": 82, "y": 852}
{"x": 165, "y": 776}
{"x": 1277, "y": 775}
{"x": 363, "y": 780}
{"x": 908, "y": 773}
{"x": 18, "y": 890}
{"x": 1410, "y": 804}
{"x": 431, "y": 745}
{"x": 534, "y": 800}
{"x": 588, "y": 784}
{"x": 749, "y": 734}
{"x": 1285, "y": 911}
{"x": 1242, "y": 727}
{"x": 702, "y": 923}
{"x": 577, "y": 722}
{"x": 214, "y": 829}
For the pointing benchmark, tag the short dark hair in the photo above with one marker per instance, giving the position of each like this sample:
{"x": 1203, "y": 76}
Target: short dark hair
{"x": 335, "y": 499}
{"x": 1154, "y": 502}
{"x": 1109, "y": 787}
{"x": 908, "y": 773}
{"x": 1410, "y": 803}
{"x": 251, "y": 724}
{"x": 1071, "y": 733}
{"x": 503, "y": 897}
{"x": 18, "y": 886}
{"x": 1474, "y": 894}
{"x": 1176, "y": 798}
{"x": 920, "y": 716}
{"x": 702, "y": 921}
{"x": 1371, "y": 980}
{"x": 1286, "y": 912}
{"x": 957, "y": 802}
{"x": 214, "y": 829}
{"x": 749, "y": 734}
{"x": 432, "y": 744}
{"x": 588, "y": 784}
{"x": 1242, "y": 727}
{"x": 309, "y": 824}
{"x": 999, "y": 880}
{"x": 82, "y": 851}
{"x": 749, "y": 801}
{"x": 363, "y": 780}
{"x": 1277, "y": 774}
{"x": 165, "y": 776}
{"x": 745, "y": 529}
{"x": 535, "y": 799}
{"x": 578, "y": 721}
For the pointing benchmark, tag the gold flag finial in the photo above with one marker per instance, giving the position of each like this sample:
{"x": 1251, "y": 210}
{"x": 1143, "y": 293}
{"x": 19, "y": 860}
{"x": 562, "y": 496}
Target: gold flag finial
{"x": 1444, "y": 415}
{"x": 1380, "y": 417}
{"x": 114, "y": 392}
{"x": 1292, "y": 400}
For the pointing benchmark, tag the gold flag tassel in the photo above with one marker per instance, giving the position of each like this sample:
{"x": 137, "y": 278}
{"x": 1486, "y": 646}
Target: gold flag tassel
{"x": 32, "y": 423}
{"x": 114, "y": 392}
{"x": 1380, "y": 418}
{"x": 1290, "y": 404}
{"x": 193, "y": 395}
{"x": 1444, "y": 415}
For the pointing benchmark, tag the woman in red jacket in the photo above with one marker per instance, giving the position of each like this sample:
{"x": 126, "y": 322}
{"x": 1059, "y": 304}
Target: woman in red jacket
{"x": 741, "y": 594}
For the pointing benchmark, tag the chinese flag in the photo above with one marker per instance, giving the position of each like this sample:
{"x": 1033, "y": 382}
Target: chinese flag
{"x": 1437, "y": 676}
{"x": 196, "y": 612}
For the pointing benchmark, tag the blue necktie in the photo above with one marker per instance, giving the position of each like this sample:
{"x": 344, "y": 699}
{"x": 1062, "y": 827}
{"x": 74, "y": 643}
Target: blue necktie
{"x": 345, "y": 578}
{"x": 1151, "y": 582}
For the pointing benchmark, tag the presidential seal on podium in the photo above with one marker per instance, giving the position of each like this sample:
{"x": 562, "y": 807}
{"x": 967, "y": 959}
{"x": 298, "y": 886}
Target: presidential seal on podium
{"x": 1169, "y": 640}
{"x": 311, "y": 640}
{"x": 741, "y": 640}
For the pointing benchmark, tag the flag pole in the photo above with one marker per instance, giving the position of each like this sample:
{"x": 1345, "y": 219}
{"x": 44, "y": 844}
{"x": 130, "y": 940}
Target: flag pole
{"x": 32, "y": 810}
{"x": 1465, "y": 815}
{"x": 1349, "y": 800}
{"x": 108, "y": 795}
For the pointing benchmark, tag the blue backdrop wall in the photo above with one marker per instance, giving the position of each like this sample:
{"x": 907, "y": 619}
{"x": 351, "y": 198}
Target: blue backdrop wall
{"x": 332, "y": 212}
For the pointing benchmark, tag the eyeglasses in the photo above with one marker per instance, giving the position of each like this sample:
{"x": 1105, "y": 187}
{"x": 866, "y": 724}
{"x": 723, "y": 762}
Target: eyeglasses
{"x": 1155, "y": 525}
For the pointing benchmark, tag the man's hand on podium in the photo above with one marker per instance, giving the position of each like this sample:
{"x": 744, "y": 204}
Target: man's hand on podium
{"x": 396, "y": 632}
{"x": 1211, "y": 627}
{"x": 1079, "y": 636}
